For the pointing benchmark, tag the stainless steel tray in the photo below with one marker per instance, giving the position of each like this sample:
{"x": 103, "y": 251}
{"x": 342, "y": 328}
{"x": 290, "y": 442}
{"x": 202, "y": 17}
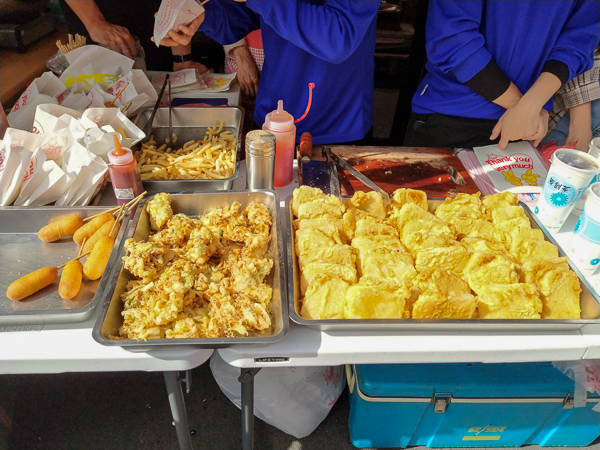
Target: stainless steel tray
{"x": 22, "y": 252}
{"x": 590, "y": 301}
{"x": 191, "y": 123}
{"x": 110, "y": 318}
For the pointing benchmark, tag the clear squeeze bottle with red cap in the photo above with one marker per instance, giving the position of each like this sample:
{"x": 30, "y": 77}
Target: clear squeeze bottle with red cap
{"x": 281, "y": 124}
{"x": 124, "y": 174}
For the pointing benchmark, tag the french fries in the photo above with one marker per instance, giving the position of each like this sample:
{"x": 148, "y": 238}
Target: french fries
{"x": 206, "y": 159}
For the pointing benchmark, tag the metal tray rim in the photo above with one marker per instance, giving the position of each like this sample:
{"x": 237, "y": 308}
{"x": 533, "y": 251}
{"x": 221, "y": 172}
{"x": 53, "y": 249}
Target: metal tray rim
{"x": 197, "y": 342}
{"x": 85, "y": 311}
{"x": 376, "y": 324}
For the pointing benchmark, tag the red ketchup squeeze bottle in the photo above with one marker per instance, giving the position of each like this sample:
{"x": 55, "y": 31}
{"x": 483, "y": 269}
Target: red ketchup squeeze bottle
{"x": 281, "y": 124}
{"x": 124, "y": 174}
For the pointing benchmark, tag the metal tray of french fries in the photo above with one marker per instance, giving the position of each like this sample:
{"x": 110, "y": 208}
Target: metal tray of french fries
{"x": 22, "y": 252}
{"x": 191, "y": 124}
{"x": 194, "y": 205}
{"x": 589, "y": 300}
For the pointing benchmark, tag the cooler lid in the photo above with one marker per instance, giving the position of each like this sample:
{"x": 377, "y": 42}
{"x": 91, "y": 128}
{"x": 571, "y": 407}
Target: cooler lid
{"x": 463, "y": 380}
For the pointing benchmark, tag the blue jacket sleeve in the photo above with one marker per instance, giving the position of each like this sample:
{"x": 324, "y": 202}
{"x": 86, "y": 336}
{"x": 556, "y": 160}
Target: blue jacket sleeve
{"x": 332, "y": 31}
{"x": 578, "y": 38}
{"x": 454, "y": 43}
{"x": 227, "y": 21}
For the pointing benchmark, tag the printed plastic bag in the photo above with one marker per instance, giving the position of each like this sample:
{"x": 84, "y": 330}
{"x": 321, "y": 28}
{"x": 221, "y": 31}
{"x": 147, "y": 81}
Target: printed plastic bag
{"x": 294, "y": 399}
{"x": 586, "y": 374}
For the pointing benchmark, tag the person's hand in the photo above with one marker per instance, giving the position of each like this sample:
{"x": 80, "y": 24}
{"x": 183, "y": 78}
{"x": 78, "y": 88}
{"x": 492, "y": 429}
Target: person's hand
{"x": 190, "y": 65}
{"x": 247, "y": 73}
{"x": 114, "y": 37}
{"x": 521, "y": 121}
{"x": 183, "y": 35}
{"x": 581, "y": 136}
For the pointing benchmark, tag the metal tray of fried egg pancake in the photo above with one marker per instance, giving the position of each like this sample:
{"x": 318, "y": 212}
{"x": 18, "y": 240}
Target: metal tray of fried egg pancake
{"x": 21, "y": 252}
{"x": 589, "y": 299}
{"x": 194, "y": 205}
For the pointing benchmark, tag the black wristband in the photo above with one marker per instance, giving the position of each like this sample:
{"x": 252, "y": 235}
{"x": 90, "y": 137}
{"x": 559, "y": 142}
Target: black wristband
{"x": 182, "y": 58}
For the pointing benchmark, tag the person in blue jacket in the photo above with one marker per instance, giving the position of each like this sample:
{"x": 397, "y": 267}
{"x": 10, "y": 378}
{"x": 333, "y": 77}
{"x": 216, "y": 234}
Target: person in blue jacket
{"x": 493, "y": 67}
{"x": 318, "y": 59}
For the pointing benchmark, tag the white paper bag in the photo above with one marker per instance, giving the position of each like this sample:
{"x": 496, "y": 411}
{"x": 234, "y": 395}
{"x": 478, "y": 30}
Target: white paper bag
{"x": 147, "y": 95}
{"x": 93, "y": 64}
{"x": 71, "y": 99}
{"x": 173, "y": 13}
{"x": 42, "y": 90}
{"x": 48, "y": 118}
{"x": 93, "y": 176}
{"x": 19, "y": 138}
{"x": 16, "y": 161}
{"x": 74, "y": 160}
{"x": 54, "y": 144}
{"x": 42, "y": 184}
{"x": 98, "y": 117}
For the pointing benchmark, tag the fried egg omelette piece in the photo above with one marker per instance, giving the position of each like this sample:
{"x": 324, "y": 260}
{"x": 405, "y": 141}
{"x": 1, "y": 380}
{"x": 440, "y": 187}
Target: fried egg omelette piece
{"x": 452, "y": 257}
{"x": 315, "y": 270}
{"x": 376, "y": 298}
{"x": 484, "y": 269}
{"x": 306, "y": 194}
{"x": 495, "y": 201}
{"x": 509, "y": 301}
{"x": 369, "y": 202}
{"x": 325, "y": 298}
{"x": 335, "y": 254}
{"x": 403, "y": 196}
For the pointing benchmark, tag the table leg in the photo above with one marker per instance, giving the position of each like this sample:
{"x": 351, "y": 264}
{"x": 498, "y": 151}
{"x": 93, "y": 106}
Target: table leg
{"x": 178, "y": 410}
{"x": 246, "y": 378}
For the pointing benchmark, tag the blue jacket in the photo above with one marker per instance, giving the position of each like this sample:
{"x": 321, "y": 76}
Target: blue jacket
{"x": 521, "y": 36}
{"x": 318, "y": 60}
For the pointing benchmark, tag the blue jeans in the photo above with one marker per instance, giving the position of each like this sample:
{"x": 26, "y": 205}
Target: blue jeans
{"x": 561, "y": 130}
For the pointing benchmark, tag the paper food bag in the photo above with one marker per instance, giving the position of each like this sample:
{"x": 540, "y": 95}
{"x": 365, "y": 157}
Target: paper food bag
{"x": 98, "y": 117}
{"x": 16, "y": 161}
{"x": 74, "y": 160}
{"x": 173, "y": 13}
{"x": 100, "y": 141}
{"x": 93, "y": 176}
{"x": 48, "y": 118}
{"x": 41, "y": 183}
{"x": 19, "y": 138}
{"x": 69, "y": 98}
{"x": 93, "y": 64}
{"x": 41, "y": 90}
{"x": 56, "y": 143}
{"x": 517, "y": 168}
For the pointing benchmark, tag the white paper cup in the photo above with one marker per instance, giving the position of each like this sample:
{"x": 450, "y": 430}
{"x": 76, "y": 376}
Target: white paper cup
{"x": 595, "y": 152}
{"x": 584, "y": 247}
{"x": 569, "y": 176}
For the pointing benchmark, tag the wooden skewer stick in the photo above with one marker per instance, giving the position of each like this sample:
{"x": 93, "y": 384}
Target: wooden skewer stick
{"x": 118, "y": 219}
{"x": 139, "y": 199}
{"x": 82, "y": 245}
{"x": 112, "y": 210}
{"x": 74, "y": 259}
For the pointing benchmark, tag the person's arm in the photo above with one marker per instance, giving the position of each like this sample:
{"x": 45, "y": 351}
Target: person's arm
{"x": 108, "y": 35}
{"x": 186, "y": 50}
{"x": 331, "y": 31}
{"x": 247, "y": 73}
{"x": 580, "y": 126}
{"x": 224, "y": 21}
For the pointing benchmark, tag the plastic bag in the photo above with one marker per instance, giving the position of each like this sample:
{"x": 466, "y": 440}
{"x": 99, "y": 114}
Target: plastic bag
{"x": 294, "y": 399}
{"x": 586, "y": 374}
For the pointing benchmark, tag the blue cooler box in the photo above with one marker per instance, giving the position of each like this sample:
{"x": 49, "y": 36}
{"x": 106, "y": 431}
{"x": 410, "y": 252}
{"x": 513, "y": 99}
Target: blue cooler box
{"x": 467, "y": 405}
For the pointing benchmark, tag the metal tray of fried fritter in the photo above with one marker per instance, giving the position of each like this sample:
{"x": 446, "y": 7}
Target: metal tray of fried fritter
{"x": 197, "y": 204}
{"x": 191, "y": 123}
{"x": 21, "y": 252}
{"x": 589, "y": 299}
